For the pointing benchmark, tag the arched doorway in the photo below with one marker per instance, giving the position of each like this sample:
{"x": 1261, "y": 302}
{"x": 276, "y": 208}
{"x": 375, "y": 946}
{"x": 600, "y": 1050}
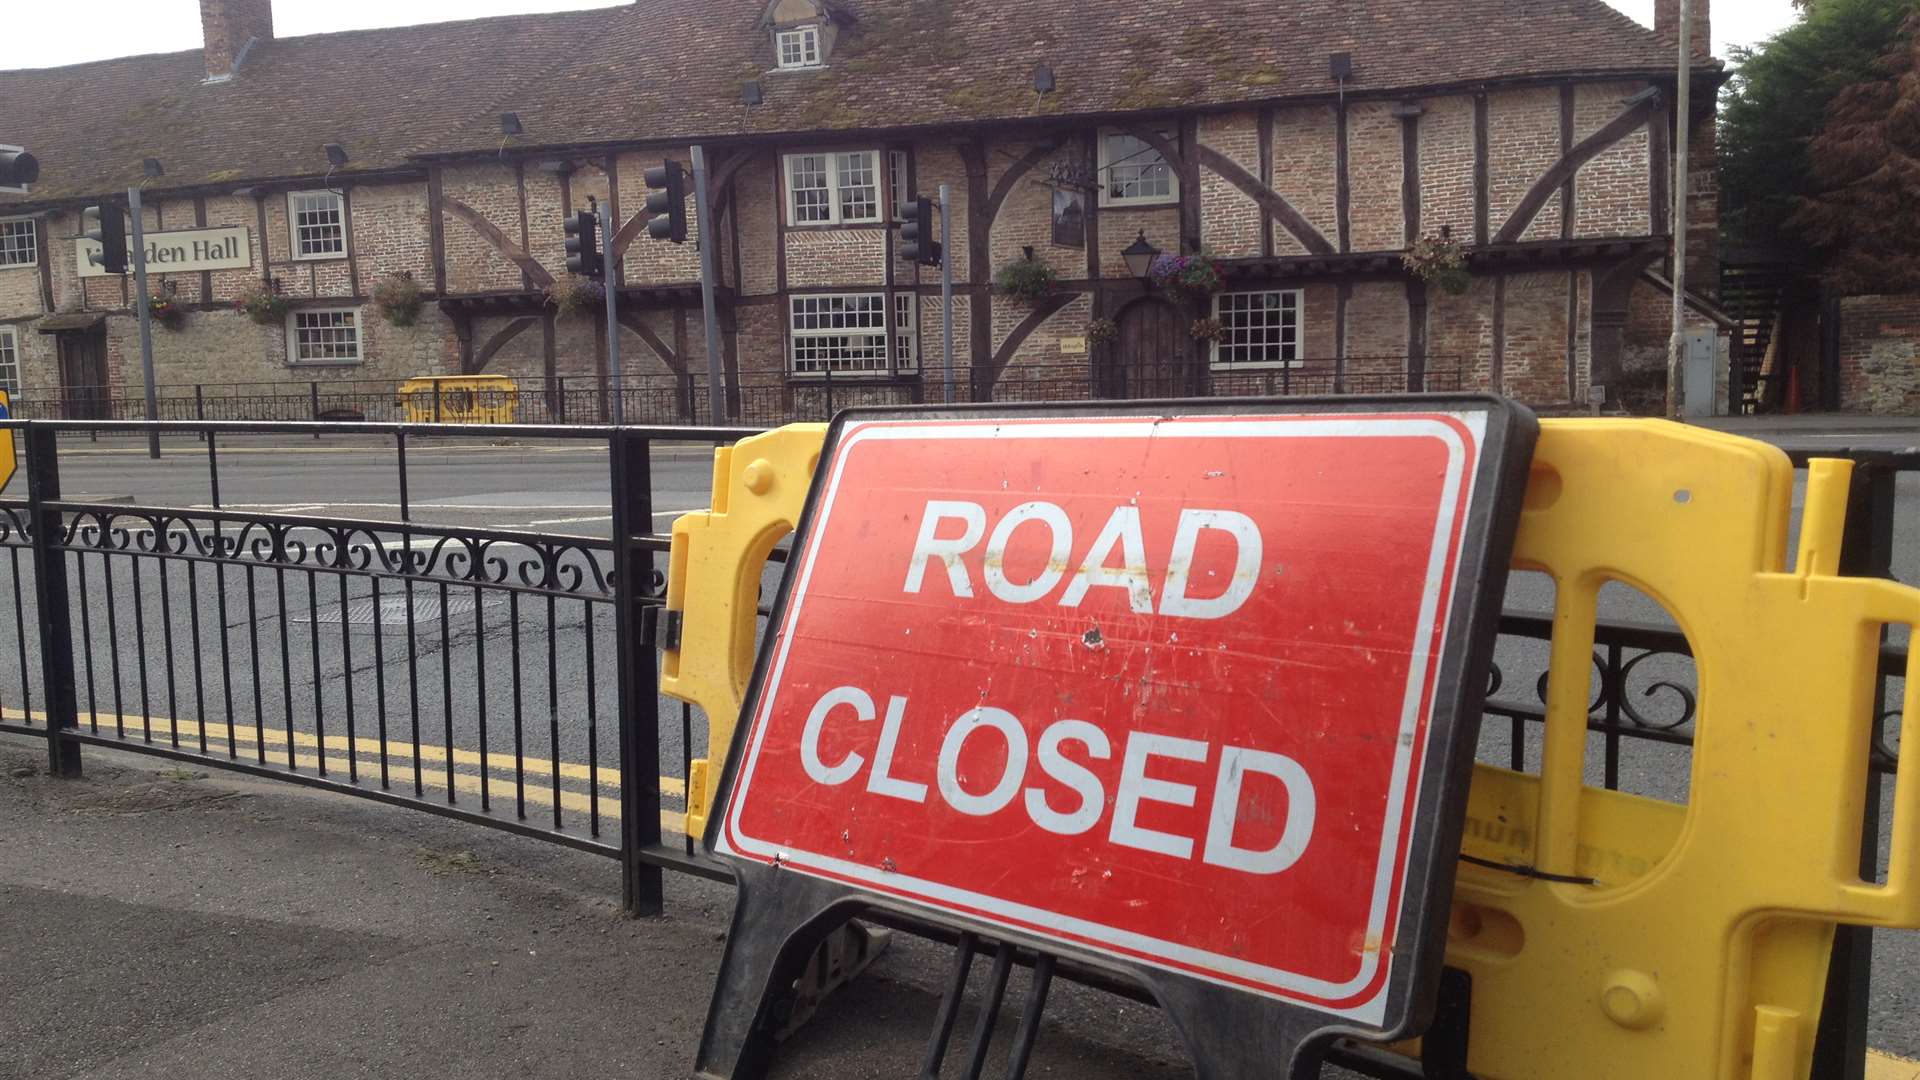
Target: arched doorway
{"x": 1153, "y": 355}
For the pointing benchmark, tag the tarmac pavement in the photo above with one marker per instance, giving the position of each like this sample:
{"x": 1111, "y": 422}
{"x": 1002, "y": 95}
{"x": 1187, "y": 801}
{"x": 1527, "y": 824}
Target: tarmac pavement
{"x": 165, "y": 923}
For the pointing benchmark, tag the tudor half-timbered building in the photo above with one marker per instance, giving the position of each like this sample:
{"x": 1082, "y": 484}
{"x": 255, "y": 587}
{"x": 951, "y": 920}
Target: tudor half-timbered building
{"x": 1303, "y": 145}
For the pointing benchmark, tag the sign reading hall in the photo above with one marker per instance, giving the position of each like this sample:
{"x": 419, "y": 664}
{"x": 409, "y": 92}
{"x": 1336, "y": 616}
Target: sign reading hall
{"x": 226, "y": 248}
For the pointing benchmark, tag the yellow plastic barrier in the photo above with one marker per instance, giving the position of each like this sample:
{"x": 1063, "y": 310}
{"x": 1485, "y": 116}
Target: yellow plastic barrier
{"x": 759, "y": 487}
{"x": 1687, "y": 941}
{"x": 463, "y": 399}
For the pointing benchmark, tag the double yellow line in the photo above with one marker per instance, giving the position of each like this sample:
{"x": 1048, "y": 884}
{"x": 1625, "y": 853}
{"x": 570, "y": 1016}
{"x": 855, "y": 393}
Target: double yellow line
{"x": 342, "y": 755}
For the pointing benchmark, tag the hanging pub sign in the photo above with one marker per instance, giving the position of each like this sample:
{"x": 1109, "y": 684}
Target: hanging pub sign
{"x": 182, "y": 251}
{"x": 1069, "y": 182}
{"x": 1069, "y": 218}
{"x": 1188, "y": 691}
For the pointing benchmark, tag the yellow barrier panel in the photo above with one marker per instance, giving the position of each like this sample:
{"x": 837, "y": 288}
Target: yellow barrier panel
{"x": 1686, "y": 941}
{"x": 759, "y": 488}
{"x": 459, "y": 399}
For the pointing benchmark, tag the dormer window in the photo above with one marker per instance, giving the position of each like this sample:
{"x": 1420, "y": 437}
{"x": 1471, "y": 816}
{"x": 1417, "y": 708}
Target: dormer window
{"x": 804, "y": 32}
{"x": 798, "y": 47}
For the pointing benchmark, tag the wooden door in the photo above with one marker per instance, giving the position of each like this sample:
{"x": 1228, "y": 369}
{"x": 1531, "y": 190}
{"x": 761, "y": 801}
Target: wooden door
{"x": 84, "y": 394}
{"x": 1153, "y": 356}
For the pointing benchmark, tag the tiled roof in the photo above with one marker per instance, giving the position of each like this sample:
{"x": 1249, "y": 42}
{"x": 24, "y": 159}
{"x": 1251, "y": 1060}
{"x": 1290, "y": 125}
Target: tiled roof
{"x": 668, "y": 69}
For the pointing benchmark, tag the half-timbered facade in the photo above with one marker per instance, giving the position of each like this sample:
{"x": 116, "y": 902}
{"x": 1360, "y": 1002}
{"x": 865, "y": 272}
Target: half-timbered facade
{"x": 1303, "y": 145}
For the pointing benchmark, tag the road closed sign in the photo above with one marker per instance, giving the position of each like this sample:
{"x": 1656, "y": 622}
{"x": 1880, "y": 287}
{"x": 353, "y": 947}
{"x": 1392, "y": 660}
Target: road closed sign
{"x": 1173, "y": 691}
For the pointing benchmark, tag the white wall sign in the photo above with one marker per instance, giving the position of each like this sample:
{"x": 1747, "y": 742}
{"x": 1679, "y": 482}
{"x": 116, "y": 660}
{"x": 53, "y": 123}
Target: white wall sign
{"x": 228, "y": 248}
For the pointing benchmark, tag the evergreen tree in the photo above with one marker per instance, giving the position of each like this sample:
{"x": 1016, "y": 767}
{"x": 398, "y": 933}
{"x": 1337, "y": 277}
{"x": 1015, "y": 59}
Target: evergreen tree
{"x": 1777, "y": 102}
{"x": 1864, "y": 213}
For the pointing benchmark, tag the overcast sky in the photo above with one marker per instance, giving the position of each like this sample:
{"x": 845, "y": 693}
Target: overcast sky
{"x": 72, "y": 31}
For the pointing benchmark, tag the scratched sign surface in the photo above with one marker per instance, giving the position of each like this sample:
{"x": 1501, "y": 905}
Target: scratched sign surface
{"x": 1158, "y": 688}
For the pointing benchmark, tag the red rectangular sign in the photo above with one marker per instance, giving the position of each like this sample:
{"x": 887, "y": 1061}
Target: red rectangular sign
{"x": 1159, "y": 687}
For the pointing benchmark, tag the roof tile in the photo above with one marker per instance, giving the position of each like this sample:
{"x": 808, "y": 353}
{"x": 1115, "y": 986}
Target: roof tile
{"x": 673, "y": 69}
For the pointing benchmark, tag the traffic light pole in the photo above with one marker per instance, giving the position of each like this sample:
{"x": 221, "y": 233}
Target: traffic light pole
{"x": 139, "y": 254}
{"x": 946, "y": 285}
{"x": 612, "y": 281}
{"x": 709, "y": 268}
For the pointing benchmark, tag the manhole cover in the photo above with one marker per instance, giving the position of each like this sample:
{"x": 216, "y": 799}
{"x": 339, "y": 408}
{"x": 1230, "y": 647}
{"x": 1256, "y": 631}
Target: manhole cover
{"x": 391, "y": 611}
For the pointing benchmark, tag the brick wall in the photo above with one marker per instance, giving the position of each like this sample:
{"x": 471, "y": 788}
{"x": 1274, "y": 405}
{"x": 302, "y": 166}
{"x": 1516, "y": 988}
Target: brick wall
{"x": 1460, "y": 330}
{"x": 1611, "y": 195}
{"x": 39, "y": 356}
{"x": 1523, "y": 141}
{"x": 932, "y": 341}
{"x": 762, "y": 336}
{"x": 649, "y": 260}
{"x": 1582, "y": 335}
{"x": 472, "y": 264}
{"x": 1230, "y": 219}
{"x": 1880, "y": 354}
{"x": 1026, "y": 217}
{"x": 823, "y": 257}
{"x": 1120, "y": 227}
{"x": 937, "y": 163}
{"x": 226, "y": 346}
{"x": 1375, "y": 167}
{"x": 20, "y": 291}
{"x": 1446, "y": 166}
{"x": 1042, "y": 346}
{"x": 1305, "y": 172}
{"x": 389, "y": 236}
{"x": 1535, "y": 361}
{"x": 1377, "y": 328}
{"x": 1319, "y": 340}
{"x": 755, "y": 200}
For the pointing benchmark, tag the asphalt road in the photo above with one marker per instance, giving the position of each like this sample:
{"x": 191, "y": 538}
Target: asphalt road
{"x": 486, "y": 671}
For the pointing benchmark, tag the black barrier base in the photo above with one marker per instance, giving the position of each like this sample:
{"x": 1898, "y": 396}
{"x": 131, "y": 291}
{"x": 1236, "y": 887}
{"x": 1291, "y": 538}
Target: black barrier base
{"x": 782, "y": 918}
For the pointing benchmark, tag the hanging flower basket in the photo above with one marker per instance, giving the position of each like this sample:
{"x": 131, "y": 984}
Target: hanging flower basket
{"x": 1440, "y": 261}
{"x": 263, "y": 302}
{"x": 571, "y": 292}
{"x": 1026, "y": 280}
{"x": 1101, "y": 331}
{"x": 398, "y": 298}
{"x": 1190, "y": 277}
{"x": 166, "y": 311}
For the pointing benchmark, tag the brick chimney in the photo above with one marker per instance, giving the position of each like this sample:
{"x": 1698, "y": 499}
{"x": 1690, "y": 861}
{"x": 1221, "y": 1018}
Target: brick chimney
{"x": 229, "y": 28}
{"x": 1666, "y": 23}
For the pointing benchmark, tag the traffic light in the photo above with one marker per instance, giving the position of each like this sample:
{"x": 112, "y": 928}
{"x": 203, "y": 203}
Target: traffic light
{"x": 917, "y": 244}
{"x": 106, "y": 225}
{"x": 17, "y": 168}
{"x": 583, "y": 246}
{"x": 667, "y": 202}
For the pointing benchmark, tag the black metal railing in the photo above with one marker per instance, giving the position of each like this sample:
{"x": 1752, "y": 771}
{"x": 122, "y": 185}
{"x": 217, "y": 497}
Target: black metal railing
{"x": 503, "y": 676}
{"x": 763, "y": 399}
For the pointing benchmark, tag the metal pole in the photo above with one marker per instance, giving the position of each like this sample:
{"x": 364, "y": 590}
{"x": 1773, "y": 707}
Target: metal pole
{"x": 612, "y": 280}
{"x": 709, "y": 263}
{"x": 946, "y": 288}
{"x": 638, "y": 688}
{"x": 146, "y": 316}
{"x": 1683, "y": 107}
{"x": 51, "y": 601}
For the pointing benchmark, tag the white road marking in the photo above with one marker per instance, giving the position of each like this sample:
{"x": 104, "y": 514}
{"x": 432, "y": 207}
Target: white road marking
{"x": 305, "y": 508}
{"x": 492, "y": 507}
